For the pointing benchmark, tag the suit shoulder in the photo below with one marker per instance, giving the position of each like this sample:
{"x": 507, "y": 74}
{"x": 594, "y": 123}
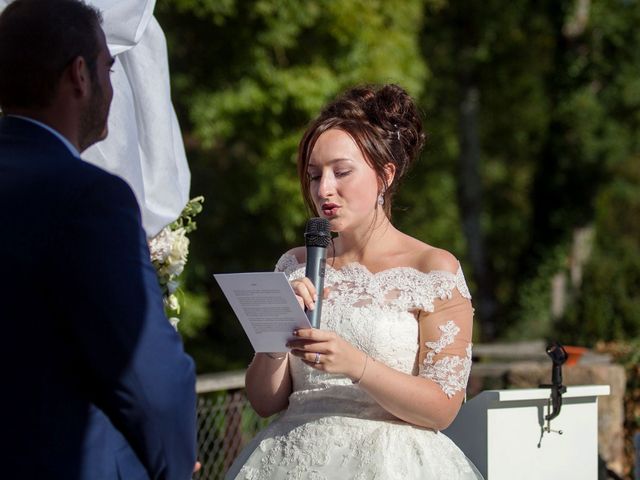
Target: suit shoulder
{"x": 103, "y": 185}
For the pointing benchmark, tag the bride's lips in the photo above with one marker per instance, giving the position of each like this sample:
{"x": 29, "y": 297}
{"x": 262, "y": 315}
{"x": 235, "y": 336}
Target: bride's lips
{"x": 330, "y": 209}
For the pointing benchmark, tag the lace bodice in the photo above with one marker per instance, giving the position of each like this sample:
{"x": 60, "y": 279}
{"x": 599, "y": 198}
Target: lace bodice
{"x": 415, "y": 322}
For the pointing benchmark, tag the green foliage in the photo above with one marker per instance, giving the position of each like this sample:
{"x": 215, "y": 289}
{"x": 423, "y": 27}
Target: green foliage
{"x": 608, "y": 307}
{"x": 506, "y": 50}
{"x": 186, "y": 218}
{"x": 195, "y": 313}
{"x": 427, "y": 209}
{"x": 534, "y": 316}
{"x": 592, "y": 132}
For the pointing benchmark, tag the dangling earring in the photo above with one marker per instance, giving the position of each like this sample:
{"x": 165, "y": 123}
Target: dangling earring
{"x": 381, "y": 198}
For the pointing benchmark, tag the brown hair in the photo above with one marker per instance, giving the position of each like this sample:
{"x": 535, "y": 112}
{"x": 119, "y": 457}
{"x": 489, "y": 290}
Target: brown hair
{"x": 385, "y": 124}
{"x": 38, "y": 39}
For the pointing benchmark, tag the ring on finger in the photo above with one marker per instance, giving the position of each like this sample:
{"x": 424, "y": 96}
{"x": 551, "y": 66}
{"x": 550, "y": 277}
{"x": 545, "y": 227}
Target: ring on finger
{"x": 317, "y": 360}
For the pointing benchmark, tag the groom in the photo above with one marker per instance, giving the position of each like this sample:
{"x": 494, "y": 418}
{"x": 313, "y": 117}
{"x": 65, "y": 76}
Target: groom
{"x": 95, "y": 382}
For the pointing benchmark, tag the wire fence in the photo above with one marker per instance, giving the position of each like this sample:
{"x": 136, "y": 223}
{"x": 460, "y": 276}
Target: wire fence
{"x": 226, "y": 423}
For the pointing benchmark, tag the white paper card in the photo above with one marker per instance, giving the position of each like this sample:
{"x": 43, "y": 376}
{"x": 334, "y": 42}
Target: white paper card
{"x": 266, "y": 306}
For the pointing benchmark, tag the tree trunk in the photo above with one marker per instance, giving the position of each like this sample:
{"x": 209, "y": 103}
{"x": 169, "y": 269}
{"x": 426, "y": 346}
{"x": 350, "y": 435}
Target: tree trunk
{"x": 470, "y": 201}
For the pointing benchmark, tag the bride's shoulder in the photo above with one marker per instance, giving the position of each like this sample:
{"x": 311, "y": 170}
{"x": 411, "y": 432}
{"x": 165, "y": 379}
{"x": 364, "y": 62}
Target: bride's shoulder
{"x": 290, "y": 260}
{"x": 429, "y": 258}
{"x": 298, "y": 253}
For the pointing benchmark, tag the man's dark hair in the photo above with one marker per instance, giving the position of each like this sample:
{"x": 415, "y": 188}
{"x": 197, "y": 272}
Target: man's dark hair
{"x": 38, "y": 39}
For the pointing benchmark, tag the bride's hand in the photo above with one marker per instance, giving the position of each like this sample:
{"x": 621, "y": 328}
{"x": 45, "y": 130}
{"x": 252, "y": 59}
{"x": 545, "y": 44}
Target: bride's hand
{"x": 327, "y": 351}
{"x": 306, "y": 293}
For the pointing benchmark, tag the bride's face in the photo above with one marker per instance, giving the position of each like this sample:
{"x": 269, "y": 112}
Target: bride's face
{"x": 343, "y": 185}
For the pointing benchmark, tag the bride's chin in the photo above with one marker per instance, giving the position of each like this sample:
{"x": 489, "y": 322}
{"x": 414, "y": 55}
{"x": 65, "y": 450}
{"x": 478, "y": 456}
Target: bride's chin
{"x": 335, "y": 225}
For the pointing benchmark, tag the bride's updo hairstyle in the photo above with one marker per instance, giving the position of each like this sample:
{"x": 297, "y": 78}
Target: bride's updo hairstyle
{"x": 385, "y": 124}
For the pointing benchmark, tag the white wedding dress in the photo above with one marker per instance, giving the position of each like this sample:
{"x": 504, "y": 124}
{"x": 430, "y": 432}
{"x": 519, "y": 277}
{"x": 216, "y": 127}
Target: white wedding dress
{"x": 334, "y": 430}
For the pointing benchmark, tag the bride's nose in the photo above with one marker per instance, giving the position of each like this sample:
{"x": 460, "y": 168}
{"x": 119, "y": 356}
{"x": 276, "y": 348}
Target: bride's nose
{"x": 326, "y": 186}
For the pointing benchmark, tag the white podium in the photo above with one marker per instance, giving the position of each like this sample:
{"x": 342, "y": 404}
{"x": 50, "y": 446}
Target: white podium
{"x": 501, "y": 431}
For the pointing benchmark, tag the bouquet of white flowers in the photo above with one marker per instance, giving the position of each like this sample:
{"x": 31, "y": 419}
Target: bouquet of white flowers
{"x": 169, "y": 250}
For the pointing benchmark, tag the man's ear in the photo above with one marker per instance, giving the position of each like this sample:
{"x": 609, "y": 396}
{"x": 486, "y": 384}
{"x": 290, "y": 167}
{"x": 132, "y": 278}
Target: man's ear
{"x": 77, "y": 74}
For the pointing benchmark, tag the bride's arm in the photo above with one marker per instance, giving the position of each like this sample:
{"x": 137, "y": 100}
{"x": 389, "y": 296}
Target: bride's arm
{"x": 431, "y": 399}
{"x": 268, "y": 383}
{"x": 411, "y": 398}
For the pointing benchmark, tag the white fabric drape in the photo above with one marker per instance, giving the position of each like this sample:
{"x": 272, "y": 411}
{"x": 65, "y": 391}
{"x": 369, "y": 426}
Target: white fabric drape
{"x": 144, "y": 145}
{"x": 124, "y": 22}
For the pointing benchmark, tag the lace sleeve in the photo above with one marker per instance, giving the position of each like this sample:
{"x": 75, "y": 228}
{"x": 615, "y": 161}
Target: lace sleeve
{"x": 289, "y": 265}
{"x": 445, "y": 342}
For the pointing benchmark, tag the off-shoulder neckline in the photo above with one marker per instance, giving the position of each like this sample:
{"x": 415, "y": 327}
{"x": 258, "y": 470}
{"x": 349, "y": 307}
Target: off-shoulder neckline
{"x": 363, "y": 268}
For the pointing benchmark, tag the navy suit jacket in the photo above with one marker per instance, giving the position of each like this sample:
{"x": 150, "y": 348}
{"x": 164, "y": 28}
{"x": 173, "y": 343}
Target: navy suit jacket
{"x": 95, "y": 381}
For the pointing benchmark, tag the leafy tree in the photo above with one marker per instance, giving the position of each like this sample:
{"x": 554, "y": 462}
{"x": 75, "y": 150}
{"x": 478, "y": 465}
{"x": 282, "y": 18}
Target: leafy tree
{"x": 591, "y": 145}
{"x": 607, "y": 305}
{"x": 487, "y": 93}
{"x": 535, "y": 102}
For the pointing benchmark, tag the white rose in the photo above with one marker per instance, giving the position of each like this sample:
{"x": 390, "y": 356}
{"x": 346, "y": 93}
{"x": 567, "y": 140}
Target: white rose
{"x": 172, "y": 286}
{"x": 160, "y": 246}
{"x": 179, "y": 246}
{"x": 171, "y": 302}
{"x": 173, "y": 268}
{"x": 174, "y": 322}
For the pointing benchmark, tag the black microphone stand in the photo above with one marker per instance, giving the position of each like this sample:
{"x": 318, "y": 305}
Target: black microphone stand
{"x": 558, "y": 356}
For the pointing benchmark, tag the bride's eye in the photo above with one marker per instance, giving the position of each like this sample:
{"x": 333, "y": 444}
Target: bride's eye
{"x": 343, "y": 173}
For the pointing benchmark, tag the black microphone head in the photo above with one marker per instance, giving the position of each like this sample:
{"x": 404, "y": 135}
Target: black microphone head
{"x": 317, "y": 233}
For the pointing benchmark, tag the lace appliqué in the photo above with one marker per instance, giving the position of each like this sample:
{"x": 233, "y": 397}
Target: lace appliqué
{"x": 450, "y": 372}
{"x": 461, "y": 284}
{"x": 296, "y": 452}
{"x": 287, "y": 263}
{"x": 398, "y": 288}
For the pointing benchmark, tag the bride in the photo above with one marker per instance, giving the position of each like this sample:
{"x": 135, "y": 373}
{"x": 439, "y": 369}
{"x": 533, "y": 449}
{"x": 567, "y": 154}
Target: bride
{"x": 366, "y": 395}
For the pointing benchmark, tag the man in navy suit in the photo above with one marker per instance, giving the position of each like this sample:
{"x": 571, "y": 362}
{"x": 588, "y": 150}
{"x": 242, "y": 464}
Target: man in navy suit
{"x": 95, "y": 381}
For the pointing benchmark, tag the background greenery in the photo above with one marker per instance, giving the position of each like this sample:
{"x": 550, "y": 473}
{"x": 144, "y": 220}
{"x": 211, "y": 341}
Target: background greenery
{"x": 531, "y": 175}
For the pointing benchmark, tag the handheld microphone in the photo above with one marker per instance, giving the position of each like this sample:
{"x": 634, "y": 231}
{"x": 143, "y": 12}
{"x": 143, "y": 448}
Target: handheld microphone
{"x": 317, "y": 237}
